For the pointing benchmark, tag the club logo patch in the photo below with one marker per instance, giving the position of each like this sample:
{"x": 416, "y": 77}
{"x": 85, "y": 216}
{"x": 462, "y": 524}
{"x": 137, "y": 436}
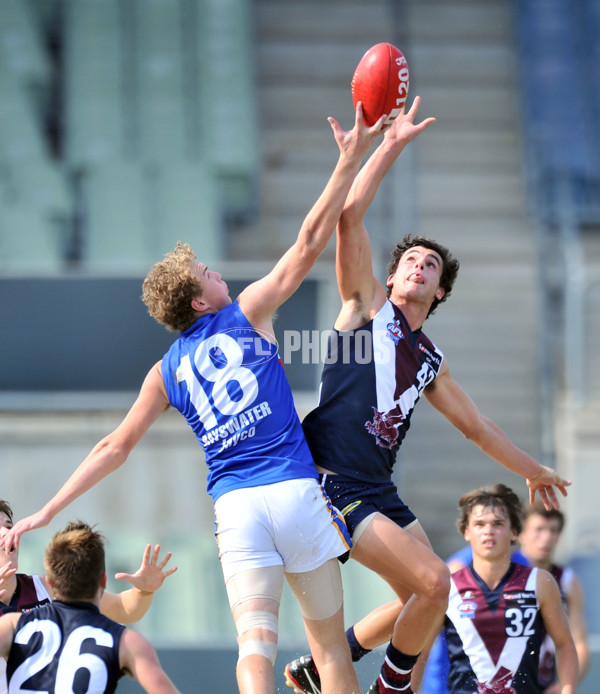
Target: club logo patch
{"x": 395, "y": 331}
{"x": 467, "y": 609}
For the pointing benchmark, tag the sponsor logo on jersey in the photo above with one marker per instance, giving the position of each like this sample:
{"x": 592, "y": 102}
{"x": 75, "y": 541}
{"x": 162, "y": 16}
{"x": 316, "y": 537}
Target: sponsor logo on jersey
{"x": 429, "y": 354}
{"x": 255, "y": 347}
{"x": 395, "y": 331}
{"x": 29, "y": 608}
{"x": 519, "y": 596}
{"x": 233, "y": 430}
{"x": 467, "y": 609}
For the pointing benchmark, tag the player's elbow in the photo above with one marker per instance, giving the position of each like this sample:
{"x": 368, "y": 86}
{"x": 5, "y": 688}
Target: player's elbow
{"x": 479, "y": 430}
{"x": 583, "y": 658}
{"x": 309, "y": 247}
{"x": 351, "y": 217}
{"x": 475, "y": 434}
{"x": 113, "y": 451}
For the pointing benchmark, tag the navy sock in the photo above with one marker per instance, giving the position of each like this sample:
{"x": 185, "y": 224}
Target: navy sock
{"x": 356, "y": 649}
{"x": 396, "y": 672}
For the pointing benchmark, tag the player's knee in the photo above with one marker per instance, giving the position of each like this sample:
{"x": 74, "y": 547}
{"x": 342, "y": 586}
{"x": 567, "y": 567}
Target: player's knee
{"x": 437, "y": 585}
{"x": 257, "y": 635}
{"x": 266, "y": 649}
{"x": 319, "y": 593}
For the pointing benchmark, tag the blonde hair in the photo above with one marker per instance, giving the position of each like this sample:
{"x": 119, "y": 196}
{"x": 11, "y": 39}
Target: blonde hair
{"x": 169, "y": 288}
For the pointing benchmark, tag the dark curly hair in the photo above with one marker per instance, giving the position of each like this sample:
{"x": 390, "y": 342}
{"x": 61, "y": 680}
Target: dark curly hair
{"x": 499, "y": 496}
{"x": 450, "y": 264}
{"x": 6, "y": 509}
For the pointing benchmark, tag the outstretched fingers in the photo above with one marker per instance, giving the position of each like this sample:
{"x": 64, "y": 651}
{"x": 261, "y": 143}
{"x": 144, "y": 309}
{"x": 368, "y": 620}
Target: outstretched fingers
{"x": 355, "y": 143}
{"x": 11, "y": 540}
{"x": 412, "y": 111}
{"x": 410, "y": 116}
{"x": 152, "y": 572}
{"x": 544, "y": 482}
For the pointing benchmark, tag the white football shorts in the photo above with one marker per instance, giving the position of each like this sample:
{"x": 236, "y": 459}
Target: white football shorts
{"x": 290, "y": 523}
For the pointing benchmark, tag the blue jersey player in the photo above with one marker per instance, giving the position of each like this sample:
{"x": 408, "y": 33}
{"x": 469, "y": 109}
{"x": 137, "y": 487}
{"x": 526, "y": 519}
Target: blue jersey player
{"x": 379, "y": 365}
{"x": 224, "y": 376}
{"x": 68, "y": 645}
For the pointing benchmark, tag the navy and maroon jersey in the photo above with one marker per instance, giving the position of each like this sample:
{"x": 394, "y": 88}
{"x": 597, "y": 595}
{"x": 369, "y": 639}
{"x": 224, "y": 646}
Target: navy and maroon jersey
{"x": 494, "y": 636}
{"x": 30, "y": 593}
{"x": 372, "y": 379}
{"x": 65, "y": 647}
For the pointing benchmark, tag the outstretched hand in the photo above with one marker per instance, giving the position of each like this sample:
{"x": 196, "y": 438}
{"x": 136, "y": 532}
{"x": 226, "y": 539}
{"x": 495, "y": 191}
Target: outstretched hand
{"x": 151, "y": 574}
{"x": 10, "y": 541}
{"x": 544, "y": 483}
{"x": 355, "y": 143}
{"x": 404, "y": 129}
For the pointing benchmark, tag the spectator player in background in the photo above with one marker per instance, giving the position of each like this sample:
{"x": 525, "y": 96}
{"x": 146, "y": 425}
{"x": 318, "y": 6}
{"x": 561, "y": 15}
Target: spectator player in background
{"x": 67, "y": 645}
{"x": 541, "y": 532}
{"x": 364, "y": 412}
{"x": 499, "y": 611}
{"x": 22, "y": 592}
{"x": 538, "y": 539}
{"x": 224, "y": 376}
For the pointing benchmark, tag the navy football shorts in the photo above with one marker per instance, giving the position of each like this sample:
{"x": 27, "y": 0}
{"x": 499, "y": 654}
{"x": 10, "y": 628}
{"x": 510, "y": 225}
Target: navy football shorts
{"x": 356, "y": 500}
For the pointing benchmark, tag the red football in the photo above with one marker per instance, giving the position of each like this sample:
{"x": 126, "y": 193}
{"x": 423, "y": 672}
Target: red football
{"x": 381, "y": 82}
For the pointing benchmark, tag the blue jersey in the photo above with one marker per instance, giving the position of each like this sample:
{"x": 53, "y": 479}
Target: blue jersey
{"x": 65, "y": 647}
{"x": 371, "y": 382}
{"x": 494, "y": 636}
{"x": 228, "y": 382}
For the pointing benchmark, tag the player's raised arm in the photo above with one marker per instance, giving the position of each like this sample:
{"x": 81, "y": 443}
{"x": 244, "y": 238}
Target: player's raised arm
{"x": 105, "y": 457}
{"x": 131, "y": 605}
{"x": 353, "y": 261}
{"x": 262, "y": 298}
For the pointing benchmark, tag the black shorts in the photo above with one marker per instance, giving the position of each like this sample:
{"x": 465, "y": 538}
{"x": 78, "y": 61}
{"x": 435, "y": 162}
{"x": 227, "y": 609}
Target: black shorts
{"x": 356, "y": 500}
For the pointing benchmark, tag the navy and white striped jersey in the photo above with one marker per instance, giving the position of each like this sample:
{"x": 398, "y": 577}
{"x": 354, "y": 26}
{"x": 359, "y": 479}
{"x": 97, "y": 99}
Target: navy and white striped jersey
{"x": 372, "y": 379}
